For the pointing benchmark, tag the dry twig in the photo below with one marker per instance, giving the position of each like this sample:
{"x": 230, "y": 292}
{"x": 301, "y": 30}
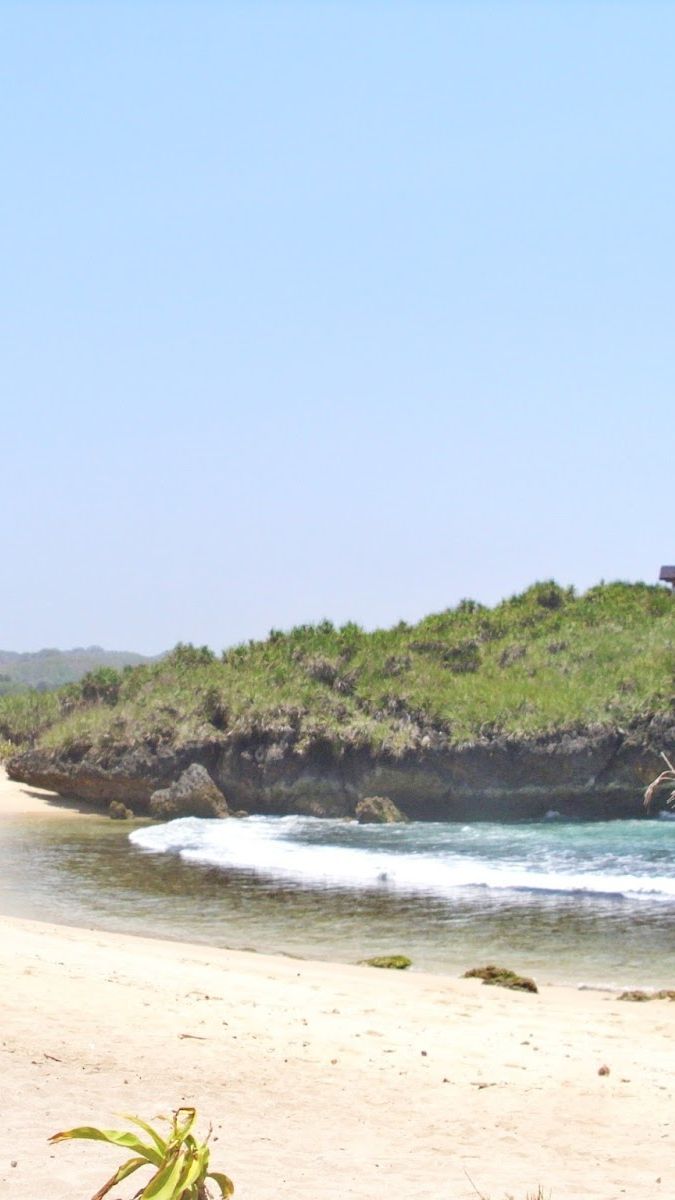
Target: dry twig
{"x": 665, "y": 777}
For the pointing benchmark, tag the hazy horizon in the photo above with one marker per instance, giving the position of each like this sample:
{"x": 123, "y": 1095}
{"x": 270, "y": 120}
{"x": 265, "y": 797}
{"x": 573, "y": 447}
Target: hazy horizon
{"x": 128, "y": 649}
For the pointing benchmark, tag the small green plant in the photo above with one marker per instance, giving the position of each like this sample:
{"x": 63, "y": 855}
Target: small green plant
{"x": 181, "y": 1162}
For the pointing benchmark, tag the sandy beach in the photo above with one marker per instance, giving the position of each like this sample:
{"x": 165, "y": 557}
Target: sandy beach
{"x": 323, "y": 1080}
{"x": 17, "y": 799}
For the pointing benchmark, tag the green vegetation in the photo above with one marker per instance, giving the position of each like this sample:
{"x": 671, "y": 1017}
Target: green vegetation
{"x": 502, "y": 977}
{"x": 388, "y": 962}
{"x": 25, "y": 715}
{"x": 181, "y": 1163}
{"x": 541, "y": 662}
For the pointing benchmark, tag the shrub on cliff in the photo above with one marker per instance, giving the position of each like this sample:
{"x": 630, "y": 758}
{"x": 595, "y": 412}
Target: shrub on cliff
{"x": 24, "y": 716}
{"x": 102, "y": 686}
{"x": 185, "y": 656}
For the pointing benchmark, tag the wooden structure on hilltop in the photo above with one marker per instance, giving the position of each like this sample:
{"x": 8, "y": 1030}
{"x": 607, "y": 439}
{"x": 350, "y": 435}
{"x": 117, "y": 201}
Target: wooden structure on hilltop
{"x": 667, "y": 574}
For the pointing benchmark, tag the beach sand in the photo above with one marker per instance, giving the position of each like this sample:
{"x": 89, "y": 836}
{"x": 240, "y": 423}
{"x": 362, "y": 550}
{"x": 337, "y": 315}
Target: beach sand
{"x": 21, "y": 799}
{"x": 323, "y": 1080}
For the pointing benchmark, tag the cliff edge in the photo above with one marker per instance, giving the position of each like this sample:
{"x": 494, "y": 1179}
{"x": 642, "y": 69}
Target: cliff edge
{"x": 549, "y": 701}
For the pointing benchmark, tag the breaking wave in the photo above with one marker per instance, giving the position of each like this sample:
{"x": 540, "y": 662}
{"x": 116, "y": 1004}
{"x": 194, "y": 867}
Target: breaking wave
{"x": 628, "y": 859}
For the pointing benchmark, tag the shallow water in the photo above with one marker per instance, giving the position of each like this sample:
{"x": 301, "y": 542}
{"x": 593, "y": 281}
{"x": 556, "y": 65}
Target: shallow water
{"x": 590, "y": 903}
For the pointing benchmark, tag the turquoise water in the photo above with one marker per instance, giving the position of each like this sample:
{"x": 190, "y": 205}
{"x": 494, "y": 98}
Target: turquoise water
{"x": 583, "y": 903}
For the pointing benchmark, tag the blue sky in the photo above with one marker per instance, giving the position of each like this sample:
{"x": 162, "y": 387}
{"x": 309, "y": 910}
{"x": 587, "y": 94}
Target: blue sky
{"x": 341, "y": 310}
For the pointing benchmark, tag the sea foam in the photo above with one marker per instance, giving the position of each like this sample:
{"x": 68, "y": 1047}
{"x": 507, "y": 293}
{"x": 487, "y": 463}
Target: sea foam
{"x": 311, "y": 853}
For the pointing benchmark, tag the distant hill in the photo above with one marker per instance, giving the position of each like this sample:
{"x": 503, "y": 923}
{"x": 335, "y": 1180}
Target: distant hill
{"x": 49, "y": 668}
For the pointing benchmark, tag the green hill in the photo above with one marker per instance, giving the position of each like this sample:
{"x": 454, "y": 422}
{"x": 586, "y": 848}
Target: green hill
{"x": 540, "y": 662}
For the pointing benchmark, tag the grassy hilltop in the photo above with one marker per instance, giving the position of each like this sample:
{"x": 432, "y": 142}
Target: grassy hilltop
{"x": 540, "y": 662}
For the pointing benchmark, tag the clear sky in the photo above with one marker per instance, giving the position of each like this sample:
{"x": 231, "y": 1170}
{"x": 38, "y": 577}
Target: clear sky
{"x": 341, "y": 310}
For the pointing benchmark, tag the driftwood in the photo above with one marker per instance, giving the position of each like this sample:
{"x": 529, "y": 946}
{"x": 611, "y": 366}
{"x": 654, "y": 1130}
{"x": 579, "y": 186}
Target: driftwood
{"x": 666, "y": 777}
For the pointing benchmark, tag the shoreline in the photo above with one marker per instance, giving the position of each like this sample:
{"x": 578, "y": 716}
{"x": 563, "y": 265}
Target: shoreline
{"x": 323, "y": 1080}
{"x": 34, "y": 873}
{"x": 23, "y": 799}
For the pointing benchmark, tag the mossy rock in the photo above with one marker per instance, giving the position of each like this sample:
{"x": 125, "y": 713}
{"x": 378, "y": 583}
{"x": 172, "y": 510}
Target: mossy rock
{"x": 378, "y": 810}
{"x": 639, "y": 997}
{"x": 389, "y": 962}
{"x": 118, "y": 811}
{"x": 502, "y": 977}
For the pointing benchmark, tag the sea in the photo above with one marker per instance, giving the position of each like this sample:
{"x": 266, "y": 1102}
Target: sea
{"x": 590, "y": 904}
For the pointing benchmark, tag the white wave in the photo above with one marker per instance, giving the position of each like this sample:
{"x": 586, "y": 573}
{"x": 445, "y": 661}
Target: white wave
{"x": 271, "y": 848}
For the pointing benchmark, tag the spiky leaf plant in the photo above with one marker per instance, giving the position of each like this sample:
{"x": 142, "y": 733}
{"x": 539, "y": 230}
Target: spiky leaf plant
{"x": 181, "y": 1163}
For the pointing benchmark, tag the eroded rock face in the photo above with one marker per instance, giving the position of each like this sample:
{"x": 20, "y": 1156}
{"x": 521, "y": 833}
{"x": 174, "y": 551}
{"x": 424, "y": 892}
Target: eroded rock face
{"x": 129, "y": 774}
{"x": 595, "y": 772}
{"x": 378, "y": 810}
{"x": 194, "y": 794}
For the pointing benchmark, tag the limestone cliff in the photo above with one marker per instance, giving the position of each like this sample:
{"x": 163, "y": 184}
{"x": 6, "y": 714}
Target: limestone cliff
{"x": 593, "y": 772}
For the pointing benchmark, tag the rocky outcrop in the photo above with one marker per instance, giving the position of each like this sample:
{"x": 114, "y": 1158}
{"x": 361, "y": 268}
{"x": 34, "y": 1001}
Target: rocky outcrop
{"x": 378, "y": 810}
{"x": 129, "y": 774}
{"x": 193, "y": 794}
{"x": 597, "y": 771}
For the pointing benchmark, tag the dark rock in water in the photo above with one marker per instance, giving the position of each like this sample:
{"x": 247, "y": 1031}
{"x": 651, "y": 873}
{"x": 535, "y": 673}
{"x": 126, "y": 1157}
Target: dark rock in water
{"x": 194, "y": 794}
{"x": 119, "y": 811}
{"x": 378, "y": 810}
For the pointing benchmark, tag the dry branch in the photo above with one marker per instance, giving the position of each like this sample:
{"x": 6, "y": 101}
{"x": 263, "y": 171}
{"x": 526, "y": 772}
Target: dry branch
{"x": 666, "y": 777}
